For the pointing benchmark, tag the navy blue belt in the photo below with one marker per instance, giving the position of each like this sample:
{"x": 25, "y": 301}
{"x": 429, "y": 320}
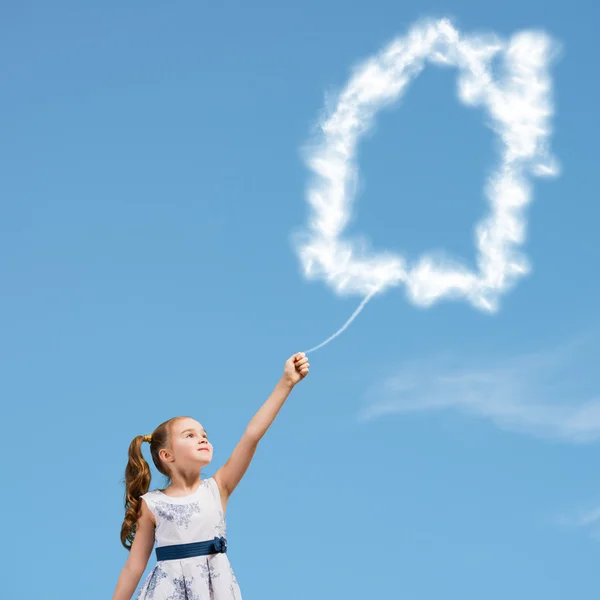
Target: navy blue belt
{"x": 179, "y": 551}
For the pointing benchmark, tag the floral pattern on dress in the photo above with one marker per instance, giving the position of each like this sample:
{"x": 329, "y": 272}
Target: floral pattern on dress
{"x": 180, "y": 514}
{"x": 156, "y": 576}
{"x": 208, "y": 573}
{"x": 182, "y": 590}
{"x": 233, "y": 586}
{"x": 221, "y": 526}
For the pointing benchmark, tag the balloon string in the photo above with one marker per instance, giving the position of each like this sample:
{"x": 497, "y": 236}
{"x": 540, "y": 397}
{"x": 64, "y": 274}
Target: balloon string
{"x": 347, "y": 323}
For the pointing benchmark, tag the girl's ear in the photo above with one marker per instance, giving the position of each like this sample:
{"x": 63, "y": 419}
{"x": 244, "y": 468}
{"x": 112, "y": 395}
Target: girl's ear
{"x": 165, "y": 455}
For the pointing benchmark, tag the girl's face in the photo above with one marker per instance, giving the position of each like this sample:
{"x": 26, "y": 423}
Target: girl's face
{"x": 189, "y": 444}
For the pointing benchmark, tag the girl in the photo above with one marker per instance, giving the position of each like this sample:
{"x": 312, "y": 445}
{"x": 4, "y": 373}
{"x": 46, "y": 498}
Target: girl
{"x": 187, "y": 519}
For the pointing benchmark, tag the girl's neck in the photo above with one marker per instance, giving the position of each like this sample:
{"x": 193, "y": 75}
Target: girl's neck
{"x": 184, "y": 484}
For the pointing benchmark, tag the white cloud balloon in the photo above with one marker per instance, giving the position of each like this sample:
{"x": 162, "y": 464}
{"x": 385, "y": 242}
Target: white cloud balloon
{"x": 519, "y": 105}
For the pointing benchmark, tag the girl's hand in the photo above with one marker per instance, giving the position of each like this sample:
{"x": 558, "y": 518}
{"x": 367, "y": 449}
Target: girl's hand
{"x": 295, "y": 369}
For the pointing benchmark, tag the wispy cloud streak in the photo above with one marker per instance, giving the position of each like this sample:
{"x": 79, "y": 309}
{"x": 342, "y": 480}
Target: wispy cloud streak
{"x": 547, "y": 395}
{"x": 519, "y": 108}
{"x": 587, "y": 520}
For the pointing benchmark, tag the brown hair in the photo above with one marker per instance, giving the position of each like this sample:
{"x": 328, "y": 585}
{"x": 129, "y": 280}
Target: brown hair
{"x": 137, "y": 476}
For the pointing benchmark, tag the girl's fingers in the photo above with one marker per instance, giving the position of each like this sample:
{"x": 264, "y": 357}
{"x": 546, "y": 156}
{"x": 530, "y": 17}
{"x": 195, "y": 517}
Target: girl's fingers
{"x": 301, "y": 364}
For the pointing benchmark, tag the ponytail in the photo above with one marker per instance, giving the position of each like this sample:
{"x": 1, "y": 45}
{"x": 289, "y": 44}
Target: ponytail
{"x": 137, "y": 483}
{"x": 137, "y": 475}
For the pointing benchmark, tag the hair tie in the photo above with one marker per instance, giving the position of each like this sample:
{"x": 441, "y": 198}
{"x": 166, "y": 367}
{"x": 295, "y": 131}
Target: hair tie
{"x": 147, "y": 438}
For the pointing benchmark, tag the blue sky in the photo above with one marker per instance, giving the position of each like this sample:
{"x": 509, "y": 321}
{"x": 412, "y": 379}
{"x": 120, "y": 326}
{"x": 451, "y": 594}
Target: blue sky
{"x": 152, "y": 180}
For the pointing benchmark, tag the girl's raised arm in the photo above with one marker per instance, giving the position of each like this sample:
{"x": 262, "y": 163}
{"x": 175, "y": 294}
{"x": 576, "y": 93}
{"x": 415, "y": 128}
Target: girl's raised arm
{"x": 231, "y": 473}
{"x": 136, "y": 563}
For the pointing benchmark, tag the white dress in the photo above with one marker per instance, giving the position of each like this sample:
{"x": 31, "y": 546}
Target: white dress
{"x": 197, "y": 517}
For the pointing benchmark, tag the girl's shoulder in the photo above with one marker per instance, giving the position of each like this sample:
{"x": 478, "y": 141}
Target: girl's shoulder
{"x": 151, "y": 496}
